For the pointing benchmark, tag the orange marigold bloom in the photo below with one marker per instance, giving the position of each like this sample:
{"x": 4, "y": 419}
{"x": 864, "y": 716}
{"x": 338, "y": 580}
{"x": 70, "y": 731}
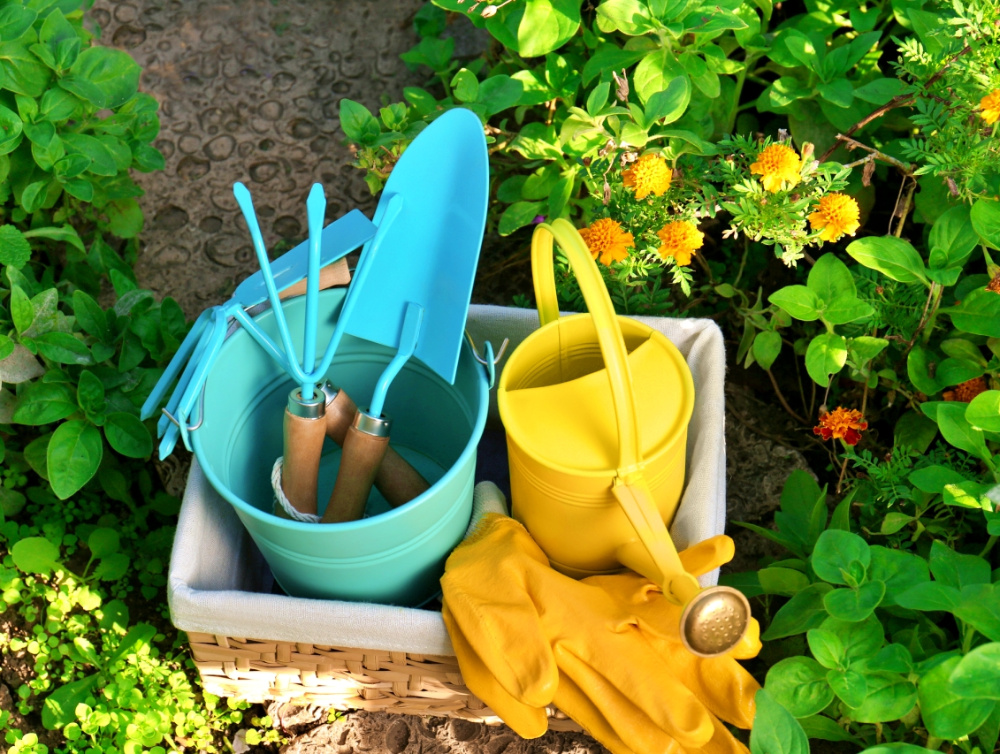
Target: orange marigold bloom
{"x": 777, "y": 165}
{"x": 836, "y": 215}
{"x": 606, "y": 238}
{"x": 681, "y": 240}
{"x": 994, "y": 285}
{"x": 965, "y": 392}
{"x": 845, "y": 424}
{"x": 649, "y": 175}
{"x": 990, "y": 107}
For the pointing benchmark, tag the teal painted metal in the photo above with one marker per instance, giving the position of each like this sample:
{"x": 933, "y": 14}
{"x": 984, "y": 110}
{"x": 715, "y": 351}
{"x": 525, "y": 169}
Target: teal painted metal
{"x": 393, "y": 557}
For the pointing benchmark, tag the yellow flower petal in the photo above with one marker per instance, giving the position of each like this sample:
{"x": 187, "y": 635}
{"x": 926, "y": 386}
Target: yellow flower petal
{"x": 606, "y": 239}
{"x": 649, "y": 175}
{"x": 777, "y": 165}
{"x": 837, "y": 215}
{"x": 681, "y": 240}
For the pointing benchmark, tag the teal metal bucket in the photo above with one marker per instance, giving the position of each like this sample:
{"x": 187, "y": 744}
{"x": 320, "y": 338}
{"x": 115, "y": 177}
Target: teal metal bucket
{"x": 393, "y": 557}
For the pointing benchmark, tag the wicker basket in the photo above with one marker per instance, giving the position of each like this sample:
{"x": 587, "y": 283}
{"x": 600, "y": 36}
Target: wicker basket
{"x": 342, "y": 678}
{"x": 220, "y": 589}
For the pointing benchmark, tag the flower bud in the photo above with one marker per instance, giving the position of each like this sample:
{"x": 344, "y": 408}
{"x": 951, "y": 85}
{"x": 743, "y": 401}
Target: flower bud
{"x": 489, "y": 11}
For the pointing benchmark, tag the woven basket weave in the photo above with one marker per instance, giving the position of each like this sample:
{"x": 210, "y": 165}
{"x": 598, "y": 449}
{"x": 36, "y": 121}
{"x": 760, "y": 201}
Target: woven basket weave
{"x": 346, "y": 679}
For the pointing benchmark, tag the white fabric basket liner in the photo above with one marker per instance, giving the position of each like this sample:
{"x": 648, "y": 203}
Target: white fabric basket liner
{"x": 219, "y": 583}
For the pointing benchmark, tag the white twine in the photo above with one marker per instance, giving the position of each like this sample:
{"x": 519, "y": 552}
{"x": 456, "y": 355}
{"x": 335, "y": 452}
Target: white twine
{"x": 280, "y": 499}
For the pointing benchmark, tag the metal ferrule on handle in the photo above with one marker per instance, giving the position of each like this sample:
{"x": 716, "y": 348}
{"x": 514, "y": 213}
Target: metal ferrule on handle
{"x": 364, "y": 448}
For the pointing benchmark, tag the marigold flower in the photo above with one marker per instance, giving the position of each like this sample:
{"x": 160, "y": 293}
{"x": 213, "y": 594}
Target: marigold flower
{"x": 990, "y": 107}
{"x": 681, "y": 240}
{"x": 994, "y": 285}
{"x": 649, "y": 175}
{"x": 845, "y": 424}
{"x": 965, "y": 392}
{"x": 777, "y": 165}
{"x": 606, "y": 238}
{"x": 836, "y": 215}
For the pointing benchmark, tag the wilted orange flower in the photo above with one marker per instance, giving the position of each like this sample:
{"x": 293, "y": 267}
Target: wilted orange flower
{"x": 649, "y": 175}
{"x": 777, "y": 165}
{"x": 836, "y": 215}
{"x": 681, "y": 240}
{"x": 965, "y": 392}
{"x": 990, "y": 107}
{"x": 606, "y": 238}
{"x": 994, "y": 285}
{"x": 845, "y": 424}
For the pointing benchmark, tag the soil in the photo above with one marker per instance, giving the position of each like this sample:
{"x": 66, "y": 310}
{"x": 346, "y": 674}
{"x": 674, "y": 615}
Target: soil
{"x": 249, "y": 91}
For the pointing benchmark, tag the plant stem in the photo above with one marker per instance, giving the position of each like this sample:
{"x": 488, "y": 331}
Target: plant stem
{"x": 743, "y": 261}
{"x": 781, "y": 398}
{"x": 907, "y": 204}
{"x": 853, "y": 144}
{"x": 989, "y": 546}
{"x": 843, "y": 470}
{"x": 970, "y": 633}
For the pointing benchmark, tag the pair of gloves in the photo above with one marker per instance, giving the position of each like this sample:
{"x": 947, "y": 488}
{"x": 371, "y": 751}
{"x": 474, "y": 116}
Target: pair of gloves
{"x": 605, "y": 650}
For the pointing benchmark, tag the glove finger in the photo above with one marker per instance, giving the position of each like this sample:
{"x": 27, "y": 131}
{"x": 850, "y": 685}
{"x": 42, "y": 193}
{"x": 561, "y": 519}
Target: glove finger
{"x": 708, "y": 555}
{"x": 485, "y": 586}
{"x": 612, "y": 719}
{"x": 527, "y": 722}
{"x": 634, "y": 682}
{"x": 723, "y": 742}
{"x": 749, "y": 646}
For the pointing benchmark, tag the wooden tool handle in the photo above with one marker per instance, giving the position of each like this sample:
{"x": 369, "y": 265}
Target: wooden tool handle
{"x": 331, "y": 275}
{"x": 359, "y": 463}
{"x": 397, "y": 480}
{"x": 303, "y": 446}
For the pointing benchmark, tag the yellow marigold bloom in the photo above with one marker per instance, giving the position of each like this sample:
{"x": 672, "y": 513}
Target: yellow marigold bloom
{"x": 649, "y": 175}
{"x": 990, "y": 106}
{"x": 845, "y": 424}
{"x": 836, "y": 215}
{"x": 777, "y": 164}
{"x": 606, "y": 238}
{"x": 681, "y": 240}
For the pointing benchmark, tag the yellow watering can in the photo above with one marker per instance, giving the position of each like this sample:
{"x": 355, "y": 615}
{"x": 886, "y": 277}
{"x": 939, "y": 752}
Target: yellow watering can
{"x": 594, "y": 485}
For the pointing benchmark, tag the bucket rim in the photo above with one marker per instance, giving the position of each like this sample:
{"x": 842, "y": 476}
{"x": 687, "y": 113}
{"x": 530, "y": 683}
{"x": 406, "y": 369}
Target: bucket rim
{"x": 364, "y": 523}
{"x": 686, "y": 409}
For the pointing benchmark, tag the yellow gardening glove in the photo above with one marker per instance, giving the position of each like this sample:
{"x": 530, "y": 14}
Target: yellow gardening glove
{"x": 527, "y": 637}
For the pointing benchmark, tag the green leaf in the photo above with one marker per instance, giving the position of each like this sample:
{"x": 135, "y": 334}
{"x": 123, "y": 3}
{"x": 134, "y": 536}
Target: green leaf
{"x": 967, "y": 495}
{"x": 827, "y": 648}
{"x": 128, "y": 435}
{"x": 989, "y": 732}
{"x": 518, "y": 215}
{"x": 900, "y": 571}
{"x": 861, "y": 639}
{"x": 802, "y": 612}
{"x": 955, "y": 371}
{"x": 954, "y": 235}
{"x": 464, "y": 85}
{"x": 627, "y": 16}
{"x": 984, "y": 411}
{"x": 915, "y": 431}
{"x": 43, "y": 403}
{"x": 766, "y": 347}
{"x": 930, "y": 597}
{"x": 803, "y": 510}
{"x": 73, "y": 457}
{"x": 799, "y": 301}
{"x": 978, "y": 313}
{"x": 849, "y": 685}
{"x": 23, "y": 73}
{"x": 894, "y": 658}
{"x": 655, "y": 72}
{"x": 918, "y": 370}
{"x": 775, "y": 730}
{"x": 895, "y": 521}
{"x": 835, "y": 551}
{"x": 799, "y": 685}
{"x": 546, "y": 26}
{"x": 125, "y": 217}
{"x": 957, "y": 430}
{"x": 14, "y": 248}
{"x": 22, "y": 311}
{"x": 946, "y": 714}
{"x": 670, "y": 104}
{"x": 103, "y": 76}
{"x": 15, "y": 20}
{"x": 826, "y": 355}
{"x": 783, "y": 581}
{"x": 103, "y": 542}
{"x": 846, "y": 309}
{"x": 825, "y": 729}
{"x": 890, "y": 697}
{"x": 894, "y": 258}
{"x": 11, "y": 130}
{"x": 63, "y": 348}
{"x": 838, "y": 92}
{"x": 499, "y": 92}
{"x": 830, "y": 279}
{"x": 357, "y": 122}
{"x": 35, "y": 555}
{"x": 980, "y": 608}
{"x": 748, "y": 583}
{"x": 90, "y": 392}
{"x": 880, "y": 91}
{"x": 977, "y": 675}
{"x": 113, "y": 567}
{"x": 65, "y": 234}
{"x": 864, "y": 348}
{"x": 855, "y": 604}
{"x": 985, "y": 216}
{"x": 90, "y": 316}
{"x": 60, "y": 706}
{"x": 955, "y": 569}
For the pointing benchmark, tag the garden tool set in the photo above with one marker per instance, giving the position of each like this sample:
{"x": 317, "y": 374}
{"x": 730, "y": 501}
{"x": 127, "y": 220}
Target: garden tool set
{"x": 537, "y": 606}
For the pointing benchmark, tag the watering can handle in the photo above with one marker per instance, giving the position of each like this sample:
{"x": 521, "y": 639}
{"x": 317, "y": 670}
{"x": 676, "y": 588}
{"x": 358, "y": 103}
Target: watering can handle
{"x": 657, "y": 557}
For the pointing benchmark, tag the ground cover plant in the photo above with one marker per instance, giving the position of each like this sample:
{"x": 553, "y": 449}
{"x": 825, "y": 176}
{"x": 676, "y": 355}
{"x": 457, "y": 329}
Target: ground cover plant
{"x": 823, "y": 179}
